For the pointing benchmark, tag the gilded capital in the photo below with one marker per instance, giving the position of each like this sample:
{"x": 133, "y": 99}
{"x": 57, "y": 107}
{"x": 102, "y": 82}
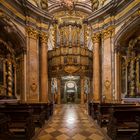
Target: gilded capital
{"x": 108, "y": 33}
{"x": 44, "y": 38}
{"x": 96, "y": 38}
{"x": 32, "y": 33}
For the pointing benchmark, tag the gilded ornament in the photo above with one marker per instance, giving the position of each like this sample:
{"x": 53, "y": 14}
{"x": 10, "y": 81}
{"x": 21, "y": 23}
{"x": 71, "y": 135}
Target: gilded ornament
{"x": 96, "y": 38}
{"x": 44, "y": 38}
{"x": 107, "y": 84}
{"x": 71, "y": 69}
{"x": 108, "y": 33}
{"x": 33, "y": 86}
{"x": 32, "y": 33}
{"x": 94, "y": 4}
{"x": 42, "y": 4}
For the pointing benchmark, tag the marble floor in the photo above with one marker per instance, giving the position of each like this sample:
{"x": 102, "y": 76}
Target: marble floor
{"x": 70, "y": 122}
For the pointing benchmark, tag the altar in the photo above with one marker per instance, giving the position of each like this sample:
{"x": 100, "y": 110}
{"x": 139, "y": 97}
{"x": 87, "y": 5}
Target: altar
{"x": 131, "y": 100}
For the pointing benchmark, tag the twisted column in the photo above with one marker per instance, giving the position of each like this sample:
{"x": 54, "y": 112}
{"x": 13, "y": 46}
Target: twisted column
{"x": 9, "y": 78}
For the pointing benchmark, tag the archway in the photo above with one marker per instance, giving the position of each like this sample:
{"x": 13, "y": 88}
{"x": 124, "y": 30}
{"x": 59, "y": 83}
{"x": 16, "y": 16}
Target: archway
{"x": 127, "y": 44}
{"x": 12, "y": 49}
{"x": 70, "y": 89}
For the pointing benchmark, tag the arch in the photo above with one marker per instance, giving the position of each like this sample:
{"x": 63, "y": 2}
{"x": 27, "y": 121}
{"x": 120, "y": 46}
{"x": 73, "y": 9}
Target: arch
{"x": 127, "y": 64}
{"x": 12, "y": 35}
{"x": 129, "y": 29}
{"x": 75, "y": 85}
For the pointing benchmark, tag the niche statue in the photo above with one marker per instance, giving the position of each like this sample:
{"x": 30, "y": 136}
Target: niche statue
{"x": 94, "y": 4}
{"x": 43, "y": 4}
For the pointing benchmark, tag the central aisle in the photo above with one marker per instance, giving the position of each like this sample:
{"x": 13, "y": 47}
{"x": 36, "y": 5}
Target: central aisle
{"x": 70, "y": 122}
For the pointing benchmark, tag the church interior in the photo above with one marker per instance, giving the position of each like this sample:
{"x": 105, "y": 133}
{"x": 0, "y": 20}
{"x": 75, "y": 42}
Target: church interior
{"x": 70, "y": 69}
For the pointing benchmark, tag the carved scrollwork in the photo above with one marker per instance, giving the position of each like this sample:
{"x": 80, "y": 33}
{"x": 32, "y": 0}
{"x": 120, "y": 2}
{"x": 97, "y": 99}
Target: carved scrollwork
{"x": 43, "y": 4}
{"x": 94, "y": 4}
{"x": 108, "y": 33}
{"x": 44, "y": 38}
{"x": 96, "y": 38}
{"x": 32, "y": 33}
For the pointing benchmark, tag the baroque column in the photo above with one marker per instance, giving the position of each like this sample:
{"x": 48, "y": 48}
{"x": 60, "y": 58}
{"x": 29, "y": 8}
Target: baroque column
{"x": 59, "y": 91}
{"x": 32, "y": 65}
{"x": 96, "y": 67}
{"x": 44, "y": 68}
{"x": 107, "y": 63}
{"x": 9, "y": 77}
{"x": 82, "y": 90}
{"x": 117, "y": 76}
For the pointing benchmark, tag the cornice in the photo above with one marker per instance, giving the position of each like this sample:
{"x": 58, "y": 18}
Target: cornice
{"x": 36, "y": 11}
{"x": 120, "y": 13}
{"x": 129, "y": 28}
{"x": 26, "y": 14}
{"x": 100, "y": 13}
{"x": 78, "y": 7}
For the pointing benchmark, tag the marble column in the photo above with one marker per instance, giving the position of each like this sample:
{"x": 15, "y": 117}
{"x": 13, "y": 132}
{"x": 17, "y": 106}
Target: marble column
{"x": 96, "y": 67}
{"x": 107, "y": 64}
{"x": 59, "y": 91}
{"x": 117, "y": 76}
{"x": 82, "y": 90}
{"x": 44, "y": 68}
{"x": 85, "y": 34}
{"x": 50, "y": 95}
{"x": 55, "y": 35}
{"x": 24, "y": 74}
{"x": 32, "y": 65}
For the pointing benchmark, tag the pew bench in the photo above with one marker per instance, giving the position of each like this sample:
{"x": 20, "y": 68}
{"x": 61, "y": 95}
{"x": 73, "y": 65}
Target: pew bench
{"x": 21, "y": 119}
{"x": 122, "y": 120}
{"x": 103, "y": 114}
{"x": 5, "y": 134}
{"x": 95, "y": 110}
{"x": 105, "y": 108}
{"x": 38, "y": 113}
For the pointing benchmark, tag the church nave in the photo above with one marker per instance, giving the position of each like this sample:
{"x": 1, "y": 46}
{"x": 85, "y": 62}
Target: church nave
{"x": 70, "y": 122}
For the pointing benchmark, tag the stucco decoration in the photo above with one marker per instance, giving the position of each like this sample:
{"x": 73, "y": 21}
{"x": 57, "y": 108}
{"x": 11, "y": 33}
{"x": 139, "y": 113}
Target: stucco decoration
{"x": 94, "y": 4}
{"x": 43, "y": 4}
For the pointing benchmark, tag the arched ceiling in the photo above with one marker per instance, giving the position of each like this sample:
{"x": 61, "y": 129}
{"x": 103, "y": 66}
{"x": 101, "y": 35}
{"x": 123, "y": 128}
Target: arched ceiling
{"x": 87, "y": 6}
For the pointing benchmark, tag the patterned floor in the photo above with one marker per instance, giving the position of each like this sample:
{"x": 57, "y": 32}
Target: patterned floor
{"x": 70, "y": 122}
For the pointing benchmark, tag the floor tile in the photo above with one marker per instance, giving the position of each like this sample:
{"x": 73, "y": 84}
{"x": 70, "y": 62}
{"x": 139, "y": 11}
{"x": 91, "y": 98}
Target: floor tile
{"x": 70, "y": 122}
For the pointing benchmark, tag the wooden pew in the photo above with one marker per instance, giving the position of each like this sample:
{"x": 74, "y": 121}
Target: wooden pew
{"x": 5, "y": 134}
{"x": 122, "y": 118}
{"x": 136, "y": 136}
{"x": 48, "y": 107}
{"x": 38, "y": 113}
{"x": 95, "y": 110}
{"x": 51, "y": 106}
{"x": 104, "y": 111}
{"x": 21, "y": 119}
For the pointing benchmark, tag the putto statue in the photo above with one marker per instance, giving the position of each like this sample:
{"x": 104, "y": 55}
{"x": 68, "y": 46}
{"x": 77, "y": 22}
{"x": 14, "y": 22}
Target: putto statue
{"x": 94, "y": 4}
{"x": 43, "y": 4}
{"x": 69, "y": 4}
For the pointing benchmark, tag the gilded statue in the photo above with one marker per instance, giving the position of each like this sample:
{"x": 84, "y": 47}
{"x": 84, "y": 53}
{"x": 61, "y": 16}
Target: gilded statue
{"x": 94, "y": 4}
{"x": 42, "y": 4}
